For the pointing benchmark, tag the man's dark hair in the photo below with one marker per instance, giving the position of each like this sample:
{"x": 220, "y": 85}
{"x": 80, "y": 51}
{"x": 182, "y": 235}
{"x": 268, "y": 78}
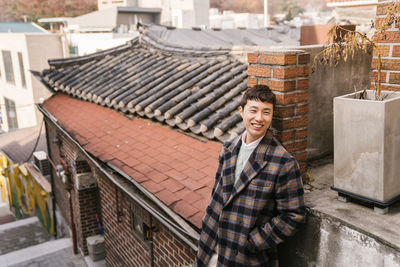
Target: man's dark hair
{"x": 260, "y": 93}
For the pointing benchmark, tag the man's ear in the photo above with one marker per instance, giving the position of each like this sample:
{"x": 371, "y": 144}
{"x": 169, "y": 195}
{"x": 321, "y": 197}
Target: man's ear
{"x": 240, "y": 110}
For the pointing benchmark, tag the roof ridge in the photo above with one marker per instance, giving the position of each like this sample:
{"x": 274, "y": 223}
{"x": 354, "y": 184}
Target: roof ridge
{"x": 103, "y": 53}
{"x": 159, "y": 44}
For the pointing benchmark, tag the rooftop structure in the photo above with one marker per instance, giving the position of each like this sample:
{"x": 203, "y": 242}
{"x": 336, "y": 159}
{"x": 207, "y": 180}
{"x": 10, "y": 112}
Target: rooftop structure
{"x": 20, "y": 27}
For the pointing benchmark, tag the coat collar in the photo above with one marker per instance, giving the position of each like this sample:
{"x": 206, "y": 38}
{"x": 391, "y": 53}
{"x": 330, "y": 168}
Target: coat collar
{"x": 254, "y": 165}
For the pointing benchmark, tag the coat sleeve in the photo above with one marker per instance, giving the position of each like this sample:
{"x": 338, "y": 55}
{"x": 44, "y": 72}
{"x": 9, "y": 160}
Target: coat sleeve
{"x": 289, "y": 198}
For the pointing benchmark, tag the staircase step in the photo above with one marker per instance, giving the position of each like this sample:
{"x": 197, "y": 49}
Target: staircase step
{"x": 33, "y": 252}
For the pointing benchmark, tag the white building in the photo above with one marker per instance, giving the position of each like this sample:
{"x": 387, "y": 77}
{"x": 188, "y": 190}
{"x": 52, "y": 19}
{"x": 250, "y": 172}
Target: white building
{"x": 359, "y": 12}
{"x": 177, "y": 13}
{"x": 231, "y": 20}
{"x": 21, "y": 52}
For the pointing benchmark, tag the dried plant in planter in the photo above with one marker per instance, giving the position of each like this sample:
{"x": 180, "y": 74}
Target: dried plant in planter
{"x": 345, "y": 43}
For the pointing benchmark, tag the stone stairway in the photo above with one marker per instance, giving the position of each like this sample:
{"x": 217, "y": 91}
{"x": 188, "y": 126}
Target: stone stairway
{"x": 27, "y": 243}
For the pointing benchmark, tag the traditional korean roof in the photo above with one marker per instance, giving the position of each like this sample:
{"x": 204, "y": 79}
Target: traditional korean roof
{"x": 195, "y": 90}
{"x": 177, "y": 169}
{"x": 280, "y": 35}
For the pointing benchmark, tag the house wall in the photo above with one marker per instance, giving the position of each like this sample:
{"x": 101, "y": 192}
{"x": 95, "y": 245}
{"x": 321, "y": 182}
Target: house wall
{"x": 84, "y": 201}
{"x": 36, "y": 49}
{"x": 87, "y": 43}
{"x": 129, "y": 18}
{"x": 230, "y": 20}
{"x": 181, "y": 13}
{"x": 124, "y": 246}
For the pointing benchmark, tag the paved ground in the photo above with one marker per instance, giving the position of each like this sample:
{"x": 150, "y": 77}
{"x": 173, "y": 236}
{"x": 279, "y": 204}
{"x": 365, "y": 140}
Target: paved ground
{"x": 22, "y": 234}
{"x": 60, "y": 258}
{"x": 26, "y": 243}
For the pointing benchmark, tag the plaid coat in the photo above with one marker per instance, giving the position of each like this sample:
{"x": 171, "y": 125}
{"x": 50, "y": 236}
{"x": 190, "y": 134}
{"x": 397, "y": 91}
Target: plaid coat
{"x": 247, "y": 220}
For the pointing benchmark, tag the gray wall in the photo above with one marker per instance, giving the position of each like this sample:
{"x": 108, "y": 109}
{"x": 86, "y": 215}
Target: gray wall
{"x": 129, "y": 18}
{"x": 325, "y": 84}
{"x": 326, "y": 241}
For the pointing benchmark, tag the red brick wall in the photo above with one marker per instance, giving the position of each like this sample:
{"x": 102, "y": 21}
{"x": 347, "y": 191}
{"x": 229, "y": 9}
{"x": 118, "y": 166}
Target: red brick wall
{"x": 60, "y": 193}
{"x": 287, "y": 74}
{"x": 389, "y": 49}
{"x": 124, "y": 246}
{"x": 83, "y": 201}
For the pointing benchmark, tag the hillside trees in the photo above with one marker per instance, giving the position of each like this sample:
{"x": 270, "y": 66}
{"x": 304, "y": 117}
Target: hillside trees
{"x": 14, "y": 10}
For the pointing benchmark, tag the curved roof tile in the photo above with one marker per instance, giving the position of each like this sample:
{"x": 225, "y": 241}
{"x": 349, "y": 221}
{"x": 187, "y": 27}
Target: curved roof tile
{"x": 194, "y": 90}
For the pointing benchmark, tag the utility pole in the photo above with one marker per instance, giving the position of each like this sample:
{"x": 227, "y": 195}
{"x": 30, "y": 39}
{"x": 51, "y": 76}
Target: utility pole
{"x": 266, "y": 17}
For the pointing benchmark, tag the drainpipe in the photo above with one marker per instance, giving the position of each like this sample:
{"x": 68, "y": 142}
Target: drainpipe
{"x": 69, "y": 186}
{"x": 53, "y": 195}
{"x": 73, "y": 228}
{"x": 151, "y": 242}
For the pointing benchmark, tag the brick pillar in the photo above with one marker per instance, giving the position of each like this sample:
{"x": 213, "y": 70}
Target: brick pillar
{"x": 287, "y": 74}
{"x": 389, "y": 48}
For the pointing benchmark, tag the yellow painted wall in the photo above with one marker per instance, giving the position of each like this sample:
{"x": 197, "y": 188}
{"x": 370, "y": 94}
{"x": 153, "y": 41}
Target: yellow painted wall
{"x": 29, "y": 195}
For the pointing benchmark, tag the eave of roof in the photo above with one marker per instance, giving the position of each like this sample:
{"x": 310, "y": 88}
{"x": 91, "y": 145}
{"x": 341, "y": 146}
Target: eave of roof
{"x": 123, "y": 9}
{"x": 195, "y": 90}
{"x": 177, "y": 169}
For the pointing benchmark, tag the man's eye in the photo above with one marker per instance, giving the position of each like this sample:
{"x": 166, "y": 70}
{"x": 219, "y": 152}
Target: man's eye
{"x": 267, "y": 112}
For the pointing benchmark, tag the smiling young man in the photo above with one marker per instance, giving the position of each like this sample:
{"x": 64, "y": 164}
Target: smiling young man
{"x": 257, "y": 199}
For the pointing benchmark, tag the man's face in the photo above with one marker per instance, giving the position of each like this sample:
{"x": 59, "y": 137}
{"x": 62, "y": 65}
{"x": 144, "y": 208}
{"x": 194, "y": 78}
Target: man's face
{"x": 257, "y": 117}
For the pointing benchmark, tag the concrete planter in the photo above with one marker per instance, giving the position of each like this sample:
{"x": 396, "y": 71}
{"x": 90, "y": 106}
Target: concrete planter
{"x": 367, "y": 147}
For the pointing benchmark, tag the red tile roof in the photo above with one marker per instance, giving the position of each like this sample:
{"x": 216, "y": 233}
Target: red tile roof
{"x": 178, "y": 169}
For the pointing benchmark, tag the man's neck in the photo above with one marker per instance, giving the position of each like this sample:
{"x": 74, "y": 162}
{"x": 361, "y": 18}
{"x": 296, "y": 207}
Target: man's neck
{"x": 249, "y": 139}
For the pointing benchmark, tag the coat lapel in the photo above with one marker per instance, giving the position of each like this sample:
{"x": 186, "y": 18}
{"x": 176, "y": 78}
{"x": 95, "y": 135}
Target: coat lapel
{"x": 251, "y": 169}
{"x": 230, "y": 158}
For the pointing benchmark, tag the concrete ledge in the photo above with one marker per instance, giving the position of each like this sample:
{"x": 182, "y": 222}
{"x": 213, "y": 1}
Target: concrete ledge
{"x": 18, "y": 223}
{"x": 33, "y": 252}
{"x": 342, "y": 234}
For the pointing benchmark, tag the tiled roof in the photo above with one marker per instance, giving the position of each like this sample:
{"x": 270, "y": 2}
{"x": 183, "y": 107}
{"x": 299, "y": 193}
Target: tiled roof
{"x": 176, "y": 168}
{"x": 195, "y": 90}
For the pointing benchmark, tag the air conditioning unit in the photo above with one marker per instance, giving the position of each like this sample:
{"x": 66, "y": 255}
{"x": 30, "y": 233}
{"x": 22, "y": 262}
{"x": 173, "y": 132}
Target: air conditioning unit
{"x": 41, "y": 162}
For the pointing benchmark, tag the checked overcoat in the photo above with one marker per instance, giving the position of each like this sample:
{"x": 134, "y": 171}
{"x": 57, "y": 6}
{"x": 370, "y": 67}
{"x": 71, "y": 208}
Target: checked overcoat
{"x": 246, "y": 220}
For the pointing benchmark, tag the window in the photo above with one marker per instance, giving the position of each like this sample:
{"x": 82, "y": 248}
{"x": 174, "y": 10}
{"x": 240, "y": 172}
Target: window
{"x": 22, "y": 69}
{"x": 8, "y": 67}
{"x": 11, "y": 114}
{"x": 141, "y": 222}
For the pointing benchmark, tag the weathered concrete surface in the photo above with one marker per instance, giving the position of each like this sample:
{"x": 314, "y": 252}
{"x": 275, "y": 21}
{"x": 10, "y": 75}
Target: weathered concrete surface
{"x": 49, "y": 254}
{"x": 367, "y": 145}
{"x": 342, "y": 234}
{"x": 21, "y": 234}
{"x": 325, "y": 84}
